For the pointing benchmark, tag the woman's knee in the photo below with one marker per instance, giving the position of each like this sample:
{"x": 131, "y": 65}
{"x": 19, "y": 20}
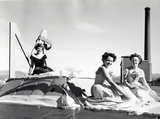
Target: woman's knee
{"x": 94, "y": 88}
{"x": 96, "y": 91}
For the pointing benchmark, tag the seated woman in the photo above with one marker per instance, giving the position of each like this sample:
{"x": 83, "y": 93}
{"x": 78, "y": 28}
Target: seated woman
{"x": 135, "y": 80}
{"x": 38, "y": 61}
{"x": 104, "y": 87}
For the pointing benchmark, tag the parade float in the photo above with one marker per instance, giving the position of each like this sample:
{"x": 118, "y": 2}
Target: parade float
{"x": 57, "y": 96}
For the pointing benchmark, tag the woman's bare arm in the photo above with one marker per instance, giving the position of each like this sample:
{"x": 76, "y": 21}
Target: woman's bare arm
{"x": 31, "y": 68}
{"x": 112, "y": 83}
{"x": 143, "y": 81}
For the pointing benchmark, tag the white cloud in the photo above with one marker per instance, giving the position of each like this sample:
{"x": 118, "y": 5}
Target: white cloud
{"x": 88, "y": 28}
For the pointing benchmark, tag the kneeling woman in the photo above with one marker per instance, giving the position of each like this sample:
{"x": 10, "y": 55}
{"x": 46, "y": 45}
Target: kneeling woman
{"x": 104, "y": 87}
{"x": 38, "y": 61}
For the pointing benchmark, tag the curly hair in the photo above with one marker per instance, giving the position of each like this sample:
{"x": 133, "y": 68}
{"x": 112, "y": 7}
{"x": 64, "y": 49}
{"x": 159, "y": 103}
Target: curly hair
{"x": 107, "y": 54}
{"x": 136, "y": 55}
{"x": 38, "y": 45}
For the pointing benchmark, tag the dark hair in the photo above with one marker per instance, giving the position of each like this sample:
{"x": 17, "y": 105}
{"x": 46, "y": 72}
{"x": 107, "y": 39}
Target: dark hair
{"x": 38, "y": 45}
{"x": 107, "y": 54}
{"x": 136, "y": 55}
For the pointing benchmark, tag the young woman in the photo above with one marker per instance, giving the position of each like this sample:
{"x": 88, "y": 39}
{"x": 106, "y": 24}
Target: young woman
{"x": 104, "y": 87}
{"x": 38, "y": 61}
{"x": 135, "y": 80}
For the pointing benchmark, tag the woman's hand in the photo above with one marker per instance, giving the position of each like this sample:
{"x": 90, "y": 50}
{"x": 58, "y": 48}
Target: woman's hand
{"x": 126, "y": 73}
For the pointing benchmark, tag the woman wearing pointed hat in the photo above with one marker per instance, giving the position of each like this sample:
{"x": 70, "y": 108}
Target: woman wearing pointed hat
{"x": 38, "y": 61}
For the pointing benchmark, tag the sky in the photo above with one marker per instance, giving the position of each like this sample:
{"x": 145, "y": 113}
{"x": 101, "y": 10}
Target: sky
{"x": 80, "y": 31}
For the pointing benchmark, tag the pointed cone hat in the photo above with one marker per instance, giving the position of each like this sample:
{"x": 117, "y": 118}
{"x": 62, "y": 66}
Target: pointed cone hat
{"x": 43, "y": 37}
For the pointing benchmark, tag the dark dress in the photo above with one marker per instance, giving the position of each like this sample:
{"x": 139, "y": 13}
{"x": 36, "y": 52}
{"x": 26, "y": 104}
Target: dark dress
{"x": 40, "y": 65}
